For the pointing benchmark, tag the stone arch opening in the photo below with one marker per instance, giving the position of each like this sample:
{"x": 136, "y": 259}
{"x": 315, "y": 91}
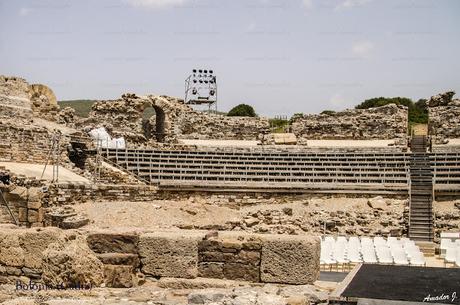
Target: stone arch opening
{"x": 153, "y": 123}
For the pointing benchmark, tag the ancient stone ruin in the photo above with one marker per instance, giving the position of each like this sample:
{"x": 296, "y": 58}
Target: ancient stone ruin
{"x": 444, "y": 117}
{"x": 386, "y": 122}
{"x": 182, "y": 223}
{"x": 173, "y": 120}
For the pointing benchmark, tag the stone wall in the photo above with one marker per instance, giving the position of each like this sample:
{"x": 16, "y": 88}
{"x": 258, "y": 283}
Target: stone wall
{"x": 21, "y": 252}
{"x": 14, "y": 97}
{"x": 231, "y": 255}
{"x": 18, "y": 99}
{"x": 71, "y": 193}
{"x": 386, "y": 122}
{"x": 25, "y": 204}
{"x": 444, "y": 117}
{"x": 122, "y": 259}
{"x": 25, "y": 143}
{"x": 44, "y": 103}
{"x": 173, "y": 120}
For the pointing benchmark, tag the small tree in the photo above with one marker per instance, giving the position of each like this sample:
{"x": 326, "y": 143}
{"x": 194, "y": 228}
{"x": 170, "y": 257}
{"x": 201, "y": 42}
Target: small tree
{"x": 242, "y": 110}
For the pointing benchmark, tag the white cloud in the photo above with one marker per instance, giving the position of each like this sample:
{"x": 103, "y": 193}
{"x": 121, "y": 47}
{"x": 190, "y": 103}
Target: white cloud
{"x": 352, "y": 3}
{"x": 308, "y": 4}
{"x": 362, "y": 48}
{"x": 155, "y": 4}
{"x": 24, "y": 11}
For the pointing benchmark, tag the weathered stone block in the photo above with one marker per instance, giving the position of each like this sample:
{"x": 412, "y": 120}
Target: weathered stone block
{"x": 35, "y": 194}
{"x": 70, "y": 263}
{"x": 34, "y": 242}
{"x": 242, "y": 272}
{"x": 11, "y": 253}
{"x": 32, "y": 216}
{"x": 118, "y": 276}
{"x": 171, "y": 254}
{"x": 22, "y": 214}
{"x": 74, "y": 222}
{"x": 13, "y": 271}
{"x": 119, "y": 259}
{"x": 113, "y": 243}
{"x": 211, "y": 269}
{"x": 213, "y": 256}
{"x": 290, "y": 259}
{"x": 34, "y": 205}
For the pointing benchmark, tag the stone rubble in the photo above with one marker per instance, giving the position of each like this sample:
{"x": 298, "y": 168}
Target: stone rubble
{"x": 444, "y": 117}
{"x": 386, "y": 122}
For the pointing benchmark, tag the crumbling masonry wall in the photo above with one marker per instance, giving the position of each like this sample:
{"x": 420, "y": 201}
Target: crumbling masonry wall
{"x": 14, "y": 98}
{"x": 444, "y": 117}
{"x": 386, "y": 122}
{"x": 26, "y": 143}
{"x": 174, "y": 120}
{"x": 119, "y": 259}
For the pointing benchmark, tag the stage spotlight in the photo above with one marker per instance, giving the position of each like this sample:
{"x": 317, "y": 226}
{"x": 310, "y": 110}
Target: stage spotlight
{"x": 201, "y": 88}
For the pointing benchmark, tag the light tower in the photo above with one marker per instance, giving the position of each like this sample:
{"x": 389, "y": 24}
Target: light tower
{"x": 201, "y": 88}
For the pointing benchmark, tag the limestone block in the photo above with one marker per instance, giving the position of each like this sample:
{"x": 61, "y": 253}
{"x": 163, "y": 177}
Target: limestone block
{"x": 34, "y": 205}
{"x": 32, "y": 216}
{"x": 35, "y": 216}
{"x": 22, "y": 214}
{"x": 171, "y": 254}
{"x": 35, "y": 194}
{"x": 119, "y": 259}
{"x": 35, "y": 241}
{"x": 118, "y": 276}
{"x": 241, "y": 272}
{"x": 211, "y": 269}
{"x": 11, "y": 253}
{"x": 71, "y": 263}
{"x": 290, "y": 259}
{"x": 113, "y": 242}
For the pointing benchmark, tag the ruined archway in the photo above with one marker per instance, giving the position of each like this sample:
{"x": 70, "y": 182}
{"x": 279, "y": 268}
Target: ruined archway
{"x": 153, "y": 123}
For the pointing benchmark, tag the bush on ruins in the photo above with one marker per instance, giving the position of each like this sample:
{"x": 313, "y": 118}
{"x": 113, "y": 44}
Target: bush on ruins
{"x": 418, "y": 113}
{"x": 242, "y": 110}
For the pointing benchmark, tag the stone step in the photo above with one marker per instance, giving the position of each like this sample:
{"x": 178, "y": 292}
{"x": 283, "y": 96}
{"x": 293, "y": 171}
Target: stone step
{"x": 428, "y": 248}
{"x": 130, "y": 259}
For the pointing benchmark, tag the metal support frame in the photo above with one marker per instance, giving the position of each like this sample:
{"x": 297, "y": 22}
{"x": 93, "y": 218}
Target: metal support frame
{"x": 5, "y": 203}
{"x": 54, "y": 156}
{"x": 98, "y": 162}
{"x": 194, "y": 82}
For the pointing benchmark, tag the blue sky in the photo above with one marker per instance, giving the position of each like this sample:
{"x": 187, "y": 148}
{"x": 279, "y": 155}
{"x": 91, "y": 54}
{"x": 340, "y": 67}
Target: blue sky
{"x": 282, "y": 57}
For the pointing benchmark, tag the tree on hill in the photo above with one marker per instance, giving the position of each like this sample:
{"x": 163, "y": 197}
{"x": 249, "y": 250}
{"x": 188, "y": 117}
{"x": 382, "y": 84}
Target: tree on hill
{"x": 418, "y": 112}
{"x": 242, "y": 110}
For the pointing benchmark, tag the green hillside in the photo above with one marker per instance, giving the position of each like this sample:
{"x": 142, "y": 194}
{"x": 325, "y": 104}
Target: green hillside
{"x": 82, "y": 107}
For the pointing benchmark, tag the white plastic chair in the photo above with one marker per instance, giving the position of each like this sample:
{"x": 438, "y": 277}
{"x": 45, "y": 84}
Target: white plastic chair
{"x": 451, "y": 255}
{"x": 417, "y": 259}
{"x": 400, "y": 258}
{"x": 457, "y": 258}
{"x": 445, "y": 243}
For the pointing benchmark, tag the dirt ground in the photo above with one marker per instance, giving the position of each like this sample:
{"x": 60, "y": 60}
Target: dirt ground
{"x": 341, "y": 215}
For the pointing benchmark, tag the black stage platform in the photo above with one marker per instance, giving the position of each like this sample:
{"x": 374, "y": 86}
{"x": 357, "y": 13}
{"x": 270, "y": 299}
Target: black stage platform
{"x": 402, "y": 283}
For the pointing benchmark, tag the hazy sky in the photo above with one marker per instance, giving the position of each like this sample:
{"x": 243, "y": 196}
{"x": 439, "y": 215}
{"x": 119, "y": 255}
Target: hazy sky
{"x": 282, "y": 57}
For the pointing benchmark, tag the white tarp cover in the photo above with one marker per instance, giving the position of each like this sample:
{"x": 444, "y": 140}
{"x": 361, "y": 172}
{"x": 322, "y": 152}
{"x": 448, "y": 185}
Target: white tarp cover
{"x": 102, "y": 138}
